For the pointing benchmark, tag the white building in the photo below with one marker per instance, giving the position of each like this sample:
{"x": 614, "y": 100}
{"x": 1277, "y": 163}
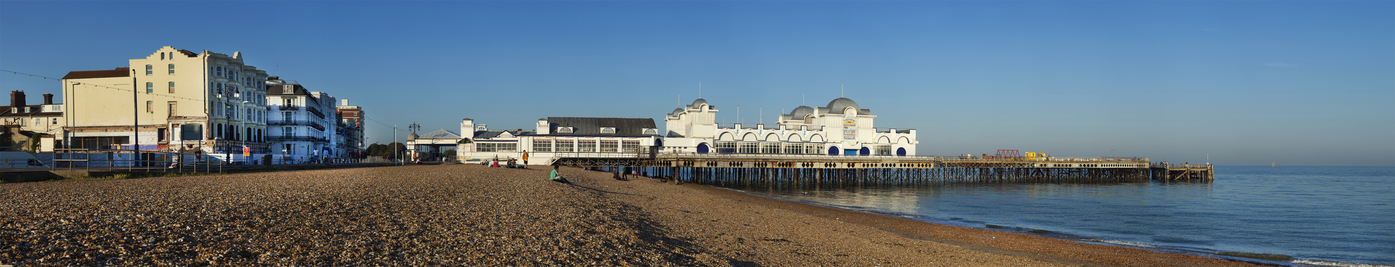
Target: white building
{"x": 841, "y": 128}
{"x": 302, "y": 123}
{"x": 217, "y": 97}
{"x": 553, "y": 136}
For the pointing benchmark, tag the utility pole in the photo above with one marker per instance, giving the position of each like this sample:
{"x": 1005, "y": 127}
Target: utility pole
{"x": 135, "y": 116}
{"x": 394, "y": 139}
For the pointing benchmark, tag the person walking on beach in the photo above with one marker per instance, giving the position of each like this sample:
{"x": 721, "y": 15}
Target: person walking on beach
{"x": 525, "y": 157}
{"x": 558, "y": 178}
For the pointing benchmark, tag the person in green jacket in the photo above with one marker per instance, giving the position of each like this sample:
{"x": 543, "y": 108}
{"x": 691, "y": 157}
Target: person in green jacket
{"x": 558, "y": 178}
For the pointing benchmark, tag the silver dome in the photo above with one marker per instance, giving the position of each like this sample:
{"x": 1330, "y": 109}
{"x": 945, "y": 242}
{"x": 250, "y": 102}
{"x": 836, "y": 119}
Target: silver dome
{"x": 800, "y": 112}
{"x": 837, "y": 105}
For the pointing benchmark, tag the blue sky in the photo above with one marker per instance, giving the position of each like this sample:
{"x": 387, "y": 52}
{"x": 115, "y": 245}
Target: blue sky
{"x": 1296, "y": 83}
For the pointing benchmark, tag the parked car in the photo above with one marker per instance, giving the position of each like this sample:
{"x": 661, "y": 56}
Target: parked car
{"x": 19, "y": 159}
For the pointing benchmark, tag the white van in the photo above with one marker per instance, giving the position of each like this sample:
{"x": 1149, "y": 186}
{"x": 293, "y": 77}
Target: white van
{"x": 19, "y": 160}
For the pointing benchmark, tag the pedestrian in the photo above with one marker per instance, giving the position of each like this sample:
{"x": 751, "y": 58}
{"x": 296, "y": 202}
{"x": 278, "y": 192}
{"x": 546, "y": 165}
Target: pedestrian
{"x": 525, "y": 157}
{"x": 558, "y": 178}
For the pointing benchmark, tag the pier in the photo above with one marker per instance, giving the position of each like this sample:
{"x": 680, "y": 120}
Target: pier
{"x": 820, "y": 170}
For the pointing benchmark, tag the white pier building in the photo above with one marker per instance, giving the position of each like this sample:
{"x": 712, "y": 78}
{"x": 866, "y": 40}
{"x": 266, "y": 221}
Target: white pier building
{"x": 840, "y": 128}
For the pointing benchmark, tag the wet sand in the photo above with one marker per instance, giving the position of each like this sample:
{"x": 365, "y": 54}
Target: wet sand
{"x": 474, "y": 215}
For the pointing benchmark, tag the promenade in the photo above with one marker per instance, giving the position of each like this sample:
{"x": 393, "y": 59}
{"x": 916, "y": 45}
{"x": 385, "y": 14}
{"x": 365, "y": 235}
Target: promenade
{"x": 478, "y": 216}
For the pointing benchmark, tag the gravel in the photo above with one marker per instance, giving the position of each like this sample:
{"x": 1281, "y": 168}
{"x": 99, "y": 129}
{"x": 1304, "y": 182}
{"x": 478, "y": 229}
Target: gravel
{"x": 478, "y": 216}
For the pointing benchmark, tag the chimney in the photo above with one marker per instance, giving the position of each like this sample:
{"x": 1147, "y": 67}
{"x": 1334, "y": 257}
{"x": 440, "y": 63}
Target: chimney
{"x": 48, "y": 99}
{"x": 346, "y": 102}
{"x": 16, "y": 98}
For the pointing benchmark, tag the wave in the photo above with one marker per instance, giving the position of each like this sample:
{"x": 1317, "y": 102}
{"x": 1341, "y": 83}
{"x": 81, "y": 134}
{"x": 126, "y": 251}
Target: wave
{"x": 1333, "y": 263}
{"x": 1122, "y": 243}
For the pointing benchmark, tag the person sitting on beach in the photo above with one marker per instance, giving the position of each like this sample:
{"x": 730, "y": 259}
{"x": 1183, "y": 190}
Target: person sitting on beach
{"x": 556, "y": 177}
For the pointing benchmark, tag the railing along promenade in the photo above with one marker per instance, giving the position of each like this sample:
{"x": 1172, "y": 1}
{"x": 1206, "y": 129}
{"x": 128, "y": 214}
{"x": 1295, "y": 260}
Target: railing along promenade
{"x": 782, "y": 169}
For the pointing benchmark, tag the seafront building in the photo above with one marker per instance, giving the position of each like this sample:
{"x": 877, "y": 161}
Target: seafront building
{"x": 46, "y": 118}
{"x": 216, "y": 98}
{"x": 555, "y": 136}
{"x": 350, "y": 135}
{"x": 840, "y": 128}
{"x": 301, "y": 126}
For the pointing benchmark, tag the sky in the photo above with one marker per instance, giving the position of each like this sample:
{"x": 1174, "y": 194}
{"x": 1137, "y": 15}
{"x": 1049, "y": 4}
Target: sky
{"x": 1233, "y": 82}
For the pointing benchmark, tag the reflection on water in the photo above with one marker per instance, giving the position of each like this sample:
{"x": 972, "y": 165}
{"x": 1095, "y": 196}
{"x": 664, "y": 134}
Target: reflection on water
{"x": 1342, "y": 214}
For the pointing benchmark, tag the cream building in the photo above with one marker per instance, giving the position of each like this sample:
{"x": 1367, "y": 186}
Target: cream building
{"x": 840, "y": 128}
{"x": 217, "y": 97}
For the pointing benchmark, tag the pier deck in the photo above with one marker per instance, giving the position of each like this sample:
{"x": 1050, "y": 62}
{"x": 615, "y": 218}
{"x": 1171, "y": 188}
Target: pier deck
{"x": 804, "y": 169}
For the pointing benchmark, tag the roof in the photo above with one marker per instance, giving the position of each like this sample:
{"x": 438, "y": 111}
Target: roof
{"x": 841, "y": 103}
{"x": 84, "y": 74}
{"x": 188, "y": 53}
{"x": 800, "y": 112}
{"x": 588, "y": 126}
{"x": 440, "y": 134}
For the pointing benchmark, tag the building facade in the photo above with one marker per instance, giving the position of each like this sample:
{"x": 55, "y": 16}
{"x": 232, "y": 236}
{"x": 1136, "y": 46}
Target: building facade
{"x": 46, "y": 118}
{"x": 565, "y": 136}
{"x": 840, "y": 128}
{"x": 217, "y": 98}
{"x": 350, "y": 133}
{"x": 301, "y": 124}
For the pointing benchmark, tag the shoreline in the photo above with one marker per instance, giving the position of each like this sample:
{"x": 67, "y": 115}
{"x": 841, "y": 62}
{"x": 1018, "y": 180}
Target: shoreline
{"x": 1006, "y": 247}
{"x": 917, "y": 229}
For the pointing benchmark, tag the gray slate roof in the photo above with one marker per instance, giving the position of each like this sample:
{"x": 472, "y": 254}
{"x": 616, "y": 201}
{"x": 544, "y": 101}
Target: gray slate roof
{"x": 589, "y": 126}
{"x": 440, "y": 134}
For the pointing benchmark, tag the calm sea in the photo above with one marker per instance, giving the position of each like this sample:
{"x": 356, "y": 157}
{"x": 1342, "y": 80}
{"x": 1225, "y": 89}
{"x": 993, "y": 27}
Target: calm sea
{"x": 1316, "y": 215}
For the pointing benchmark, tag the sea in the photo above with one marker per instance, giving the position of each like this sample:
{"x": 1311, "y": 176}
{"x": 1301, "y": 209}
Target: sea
{"x": 1297, "y": 216}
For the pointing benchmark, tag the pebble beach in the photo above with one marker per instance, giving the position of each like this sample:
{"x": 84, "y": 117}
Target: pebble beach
{"x": 478, "y": 216}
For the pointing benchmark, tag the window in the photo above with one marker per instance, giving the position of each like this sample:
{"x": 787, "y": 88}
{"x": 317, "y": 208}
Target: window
{"x": 726, "y": 147}
{"x": 171, "y": 68}
{"x": 769, "y": 148}
{"x": 162, "y": 55}
{"x": 566, "y": 145}
{"x": 610, "y": 146}
{"x": 220, "y": 71}
{"x": 287, "y": 131}
{"x": 608, "y": 130}
{"x": 287, "y": 89}
{"x": 542, "y": 145}
{"x": 564, "y": 130}
{"x": 793, "y": 149}
{"x": 21, "y": 121}
{"x": 286, "y": 116}
{"x": 746, "y": 148}
{"x": 173, "y": 108}
{"x": 26, "y": 109}
{"x": 55, "y": 121}
{"x": 150, "y": 106}
{"x": 149, "y": 69}
{"x": 149, "y": 87}
{"x": 882, "y": 150}
{"x": 171, "y": 87}
{"x": 586, "y": 146}
{"x": 220, "y": 89}
{"x": 630, "y": 146}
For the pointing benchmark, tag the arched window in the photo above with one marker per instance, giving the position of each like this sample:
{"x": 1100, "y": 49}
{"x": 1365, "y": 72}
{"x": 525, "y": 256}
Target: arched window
{"x": 162, "y": 55}
{"x": 149, "y": 87}
{"x": 149, "y": 69}
{"x": 171, "y": 68}
{"x": 171, "y": 87}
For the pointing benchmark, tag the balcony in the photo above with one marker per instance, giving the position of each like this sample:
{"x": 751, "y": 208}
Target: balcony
{"x": 315, "y": 125}
{"x": 315, "y": 111}
{"x": 276, "y": 138}
{"x": 288, "y": 107}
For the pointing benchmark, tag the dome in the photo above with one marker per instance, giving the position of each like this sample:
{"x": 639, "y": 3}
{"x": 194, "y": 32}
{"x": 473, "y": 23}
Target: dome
{"x": 412, "y": 136}
{"x": 699, "y": 102}
{"x": 837, "y": 105}
{"x": 801, "y": 111}
{"x": 677, "y": 110}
